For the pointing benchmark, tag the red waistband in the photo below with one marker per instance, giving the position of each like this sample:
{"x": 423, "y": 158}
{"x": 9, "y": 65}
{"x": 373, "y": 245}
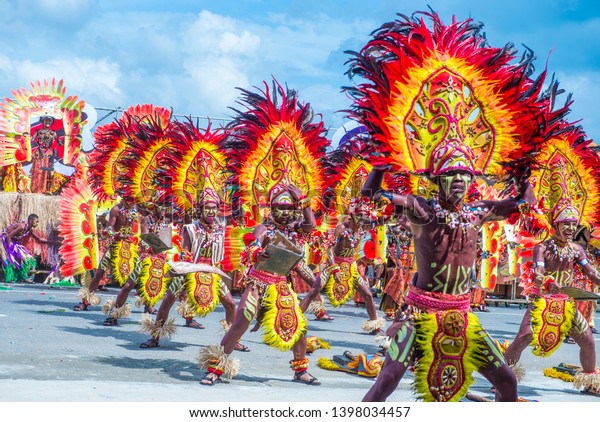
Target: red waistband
{"x": 266, "y": 277}
{"x": 434, "y": 301}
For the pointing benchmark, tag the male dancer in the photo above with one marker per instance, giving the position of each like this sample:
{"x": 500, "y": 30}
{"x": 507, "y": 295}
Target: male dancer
{"x": 121, "y": 252}
{"x": 203, "y": 242}
{"x": 445, "y": 240}
{"x": 150, "y": 268}
{"x": 342, "y": 277}
{"x": 266, "y": 292}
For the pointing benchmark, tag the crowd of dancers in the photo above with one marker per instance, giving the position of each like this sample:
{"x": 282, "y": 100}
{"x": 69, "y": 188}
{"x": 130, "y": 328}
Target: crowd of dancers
{"x": 461, "y": 147}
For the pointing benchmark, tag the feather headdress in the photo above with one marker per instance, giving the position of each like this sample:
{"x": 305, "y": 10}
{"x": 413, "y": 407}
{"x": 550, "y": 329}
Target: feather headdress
{"x": 150, "y": 141}
{"x": 442, "y": 98}
{"x": 107, "y": 159}
{"x": 196, "y": 169}
{"x": 273, "y": 144}
{"x": 566, "y": 185}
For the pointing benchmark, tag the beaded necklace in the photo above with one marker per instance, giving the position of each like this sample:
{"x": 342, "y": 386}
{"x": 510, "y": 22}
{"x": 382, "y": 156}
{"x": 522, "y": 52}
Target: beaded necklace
{"x": 463, "y": 218}
{"x": 353, "y": 236}
{"x": 287, "y": 231}
{"x": 565, "y": 251}
{"x": 130, "y": 214}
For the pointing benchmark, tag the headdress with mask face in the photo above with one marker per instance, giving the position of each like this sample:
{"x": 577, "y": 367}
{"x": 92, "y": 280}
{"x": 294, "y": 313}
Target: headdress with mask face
{"x": 443, "y": 98}
{"x": 196, "y": 169}
{"x": 567, "y": 180}
{"x": 273, "y": 144}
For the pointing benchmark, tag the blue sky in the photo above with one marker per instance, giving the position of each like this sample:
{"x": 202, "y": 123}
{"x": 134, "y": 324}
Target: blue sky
{"x": 191, "y": 55}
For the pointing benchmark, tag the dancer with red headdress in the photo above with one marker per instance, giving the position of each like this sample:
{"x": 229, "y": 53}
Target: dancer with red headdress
{"x": 441, "y": 103}
{"x": 276, "y": 150}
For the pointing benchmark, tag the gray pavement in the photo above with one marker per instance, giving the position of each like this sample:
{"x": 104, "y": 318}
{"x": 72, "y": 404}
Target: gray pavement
{"x": 51, "y": 353}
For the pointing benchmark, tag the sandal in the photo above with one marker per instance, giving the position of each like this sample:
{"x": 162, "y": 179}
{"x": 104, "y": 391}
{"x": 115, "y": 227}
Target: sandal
{"x": 109, "y": 322}
{"x": 149, "y": 344}
{"x": 192, "y": 323}
{"x": 150, "y": 310}
{"x": 209, "y": 380}
{"x": 325, "y": 317}
{"x": 241, "y": 348}
{"x": 569, "y": 340}
{"x": 80, "y": 307}
{"x": 311, "y": 381}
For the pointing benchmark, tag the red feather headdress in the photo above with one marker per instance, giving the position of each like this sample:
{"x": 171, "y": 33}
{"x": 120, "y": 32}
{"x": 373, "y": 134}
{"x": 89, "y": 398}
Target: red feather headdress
{"x": 150, "y": 141}
{"x": 428, "y": 90}
{"x": 195, "y": 170}
{"x": 107, "y": 165}
{"x": 566, "y": 183}
{"x": 272, "y": 144}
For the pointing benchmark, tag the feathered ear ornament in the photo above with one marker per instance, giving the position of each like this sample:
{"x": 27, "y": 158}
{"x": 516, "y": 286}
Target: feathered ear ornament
{"x": 272, "y": 144}
{"x": 427, "y": 94}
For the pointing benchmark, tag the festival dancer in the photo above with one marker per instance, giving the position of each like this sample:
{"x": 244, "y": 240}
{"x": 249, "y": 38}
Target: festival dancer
{"x": 121, "y": 252}
{"x": 352, "y": 247}
{"x": 150, "y": 269}
{"x": 400, "y": 267}
{"x": 443, "y": 104}
{"x": 276, "y": 153}
{"x": 342, "y": 278}
{"x": 566, "y": 188}
{"x": 203, "y": 239}
{"x": 17, "y": 261}
{"x": 150, "y": 142}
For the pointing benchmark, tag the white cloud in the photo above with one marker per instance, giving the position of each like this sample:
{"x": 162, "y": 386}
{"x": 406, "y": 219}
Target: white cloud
{"x": 88, "y": 79}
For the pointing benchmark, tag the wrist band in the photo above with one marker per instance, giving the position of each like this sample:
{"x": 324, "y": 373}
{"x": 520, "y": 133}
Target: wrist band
{"x": 540, "y": 264}
{"x": 583, "y": 262}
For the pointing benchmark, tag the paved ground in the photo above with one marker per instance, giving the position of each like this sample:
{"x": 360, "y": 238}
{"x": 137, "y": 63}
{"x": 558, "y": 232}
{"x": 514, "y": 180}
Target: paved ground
{"x": 51, "y": 353}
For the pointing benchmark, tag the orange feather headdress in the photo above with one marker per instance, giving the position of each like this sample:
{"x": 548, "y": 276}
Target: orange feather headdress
{"x": 107, "y": 159}
{"x": 196, "y": 168}
{"x": 273, "y": 144}
{"x": 150, "y": 142}
{"x": 567, "y": 181}
{"x": 431, "y": 93}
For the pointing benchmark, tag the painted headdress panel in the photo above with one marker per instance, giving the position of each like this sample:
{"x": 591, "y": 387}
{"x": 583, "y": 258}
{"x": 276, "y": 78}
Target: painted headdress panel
{"x": 197, "y": 166}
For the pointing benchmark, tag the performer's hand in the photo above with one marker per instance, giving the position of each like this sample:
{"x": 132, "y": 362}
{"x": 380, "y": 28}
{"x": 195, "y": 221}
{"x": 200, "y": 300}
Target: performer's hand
{"x": 262, "y": 256}
{"x": 337, "y": 277}
{"x": 554, "y": 288}
{"x": 296, "y": 192}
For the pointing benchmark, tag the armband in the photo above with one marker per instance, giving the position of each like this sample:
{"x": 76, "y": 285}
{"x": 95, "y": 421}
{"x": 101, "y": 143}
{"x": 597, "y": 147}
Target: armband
{"x": 584, "y": 262}
{"x": 387, "y": 195}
